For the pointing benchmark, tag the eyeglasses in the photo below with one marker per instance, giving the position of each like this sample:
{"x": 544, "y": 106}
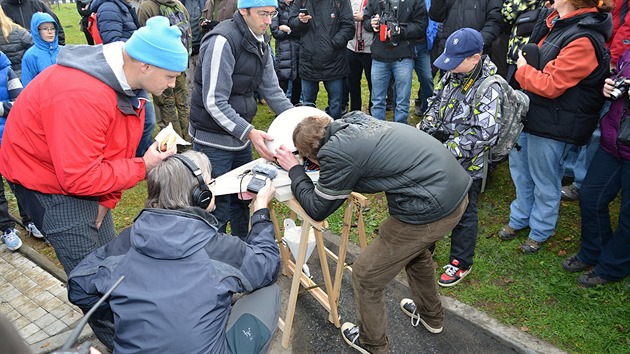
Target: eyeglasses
{"x": 271, "y": 14}
{"x": 48, "y": 29}
{"x": 212, "y": 182}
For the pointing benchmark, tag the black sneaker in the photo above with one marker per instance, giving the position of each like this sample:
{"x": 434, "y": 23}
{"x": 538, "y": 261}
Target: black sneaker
{"x": 350, "y": 333}
{"x": 573, "y": 264}
{"x": 409, "y": 308}
{"x": 590, "y": 279}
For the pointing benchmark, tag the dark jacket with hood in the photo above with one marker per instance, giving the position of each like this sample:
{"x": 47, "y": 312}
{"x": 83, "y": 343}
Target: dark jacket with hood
{"x": 572, "y": 116}
{"x": 482, "y": 15}
{"x": 323, "y": 54}
{"x": 175, "y": 262}
{"x": 412, "y": 19}
{"x": 21, "y": 11}
{"x": 287, "y": 45}
{"x": 41, "y": 55}
{"x": 421, "y": 179}
{"x": 18, "y": 41}
{"x": 116, "y": 19}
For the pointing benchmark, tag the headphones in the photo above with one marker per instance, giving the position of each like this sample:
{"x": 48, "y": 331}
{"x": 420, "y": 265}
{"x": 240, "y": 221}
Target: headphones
{"x": 201, "y": 195}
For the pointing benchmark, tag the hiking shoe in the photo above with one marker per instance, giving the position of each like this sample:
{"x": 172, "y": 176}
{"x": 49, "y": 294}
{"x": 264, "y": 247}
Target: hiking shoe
{"x": 409, "y": 308}
{"x": 34, "y": 231}
{"x": 530, "y": 246}
{"x": 507, "y": 233}
{"x": 590, "y": 278}
{"x": 570, "y": 192}
{"x": 11, "y": 239}
{"x": 350, "y": 333}
{"x": 573, "y": 264}
{"x": 452, "y": 274}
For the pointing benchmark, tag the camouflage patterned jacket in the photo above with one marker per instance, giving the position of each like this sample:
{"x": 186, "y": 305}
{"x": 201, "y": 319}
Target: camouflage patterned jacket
{"x": 471, "y": 130}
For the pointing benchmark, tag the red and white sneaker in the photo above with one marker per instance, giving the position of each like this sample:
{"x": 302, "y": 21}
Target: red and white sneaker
{"x": 452, "y": 274}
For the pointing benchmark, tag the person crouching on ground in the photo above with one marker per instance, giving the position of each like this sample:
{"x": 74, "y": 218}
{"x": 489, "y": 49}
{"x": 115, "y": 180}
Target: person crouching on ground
{"x": 180, "y": 273}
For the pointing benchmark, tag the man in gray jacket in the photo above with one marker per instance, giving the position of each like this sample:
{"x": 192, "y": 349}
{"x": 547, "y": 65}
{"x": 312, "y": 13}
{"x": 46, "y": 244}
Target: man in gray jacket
{"x": 426, "y": 190}
{"x": 234, "y": 62}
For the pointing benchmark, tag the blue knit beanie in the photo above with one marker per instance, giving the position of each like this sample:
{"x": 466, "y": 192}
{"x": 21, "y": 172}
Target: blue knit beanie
{"x": 246, "y": 4}
{"x": 158, "y": 43}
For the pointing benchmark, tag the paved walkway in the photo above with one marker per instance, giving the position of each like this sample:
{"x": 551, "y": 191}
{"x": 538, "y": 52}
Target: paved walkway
{"x": 35, "y": 302}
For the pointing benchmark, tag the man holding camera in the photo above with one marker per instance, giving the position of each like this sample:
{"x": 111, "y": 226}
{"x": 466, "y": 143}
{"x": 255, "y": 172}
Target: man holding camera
{"x": 397, "y": 26}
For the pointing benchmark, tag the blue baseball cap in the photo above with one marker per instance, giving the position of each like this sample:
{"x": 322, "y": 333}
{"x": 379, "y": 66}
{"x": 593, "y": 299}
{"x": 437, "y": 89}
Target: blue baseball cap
{"x": 461, "y": 44}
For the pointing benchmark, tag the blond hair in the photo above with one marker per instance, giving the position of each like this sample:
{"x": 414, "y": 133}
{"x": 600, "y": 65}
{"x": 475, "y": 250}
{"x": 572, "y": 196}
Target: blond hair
{"x": 6, "y": 24}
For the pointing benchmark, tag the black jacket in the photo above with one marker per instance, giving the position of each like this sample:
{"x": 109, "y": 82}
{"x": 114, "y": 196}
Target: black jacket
{"x": 421, "y": 179}
{"x": 21, "y": 11}
{"x": 287, "y": 45}
{"x": 573, "y": 116}
{"x": 18, "y": 42}
{"x": 324, "y": 38}
{"x": 482, "y": 15}
{"x": 412, "y": 19}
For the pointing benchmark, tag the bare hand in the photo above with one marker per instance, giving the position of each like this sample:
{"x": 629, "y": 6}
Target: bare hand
{"x": 265, "y": 195}
{"x": 358, "y": 16}
{"x": 284, "y": 28}
{"x": 102, "y": 211}
{"x": 258, "y": 137}
{"x": 608, "y": 87}
{"x": 304, "y": 18}
{"x": 153, "y": 156}
{"x": 285, "y": 158}
{"x": 374, "y": 22}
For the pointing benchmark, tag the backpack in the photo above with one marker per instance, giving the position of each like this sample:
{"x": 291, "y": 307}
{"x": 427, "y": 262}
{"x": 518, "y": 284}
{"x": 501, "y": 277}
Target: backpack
{"x": 177, "y": 17}
{"x": 510, "y": 115}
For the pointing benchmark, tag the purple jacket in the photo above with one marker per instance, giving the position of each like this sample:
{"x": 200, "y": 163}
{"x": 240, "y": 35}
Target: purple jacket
{"x": 610, "y": 121}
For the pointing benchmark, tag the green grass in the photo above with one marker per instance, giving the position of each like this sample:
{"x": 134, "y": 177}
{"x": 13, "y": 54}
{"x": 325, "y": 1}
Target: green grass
{"x": 530, "y": 292}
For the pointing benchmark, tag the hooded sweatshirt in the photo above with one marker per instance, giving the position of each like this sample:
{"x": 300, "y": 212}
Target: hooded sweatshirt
{"x": 42, "y": 54}
{"x": 21, "y": 12}
{"x": 51, "y": 147}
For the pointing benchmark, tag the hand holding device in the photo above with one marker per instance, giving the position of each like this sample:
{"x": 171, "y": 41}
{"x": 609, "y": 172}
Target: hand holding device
{"x": 261, "y": 173}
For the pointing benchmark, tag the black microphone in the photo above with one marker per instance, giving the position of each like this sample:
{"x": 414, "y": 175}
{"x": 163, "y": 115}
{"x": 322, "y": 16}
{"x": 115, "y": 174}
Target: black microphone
{"x": 531, "y": 53}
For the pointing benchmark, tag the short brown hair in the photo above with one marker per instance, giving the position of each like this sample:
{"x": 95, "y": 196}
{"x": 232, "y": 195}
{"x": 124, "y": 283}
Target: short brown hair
{"x": 308, "y": 134}
{"x": 606, "y": 6}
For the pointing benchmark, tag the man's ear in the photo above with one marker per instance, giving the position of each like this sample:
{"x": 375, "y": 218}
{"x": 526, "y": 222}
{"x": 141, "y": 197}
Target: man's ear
{"x": 144, "y": 67}
{"x": 243, "y": 12}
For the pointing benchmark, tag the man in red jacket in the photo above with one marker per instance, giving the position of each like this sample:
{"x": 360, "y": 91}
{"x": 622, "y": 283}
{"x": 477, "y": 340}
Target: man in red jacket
{"x": 69, "y": 144}
{"x": 70, "y": 140}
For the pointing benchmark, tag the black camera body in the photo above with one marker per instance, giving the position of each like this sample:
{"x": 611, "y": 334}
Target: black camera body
{"x": 620, "y": 88}
{"x": 437, "y": 133}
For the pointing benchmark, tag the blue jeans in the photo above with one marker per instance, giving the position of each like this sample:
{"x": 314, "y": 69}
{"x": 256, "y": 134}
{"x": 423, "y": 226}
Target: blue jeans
{"x": 402, "y": 71}
{"x": 422, "y": 66}
{"x": 537, "y": 171}
{"x": 334, "y": 88}
{"x": 608, "y": 250}
{"x": 228, "y": 207}
{"x": 580, "y": 158}
{"x": 147, "y": 132}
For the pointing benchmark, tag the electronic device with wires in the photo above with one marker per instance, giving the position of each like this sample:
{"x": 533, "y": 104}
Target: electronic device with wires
{"x": 260, "y": 174}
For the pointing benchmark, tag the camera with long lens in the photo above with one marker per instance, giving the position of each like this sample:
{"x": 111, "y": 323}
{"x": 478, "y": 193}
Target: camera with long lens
{"x": 620, "y": 88}
{"x": 389, "y": 22}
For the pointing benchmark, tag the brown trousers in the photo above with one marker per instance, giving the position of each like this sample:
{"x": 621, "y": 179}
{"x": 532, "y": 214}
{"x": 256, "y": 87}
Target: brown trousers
{"x": 399, "y": 245}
